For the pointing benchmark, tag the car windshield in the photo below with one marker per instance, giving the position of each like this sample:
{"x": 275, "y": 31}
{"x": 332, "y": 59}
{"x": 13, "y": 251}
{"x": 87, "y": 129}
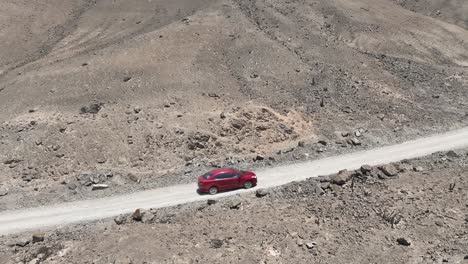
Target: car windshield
{"x": 206, "y": 175}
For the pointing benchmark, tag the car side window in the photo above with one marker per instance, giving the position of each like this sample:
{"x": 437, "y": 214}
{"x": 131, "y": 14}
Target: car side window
{"x": 221, "y": 176}
{"x": 232, "y": 175}
{"x": 226, "y": 176}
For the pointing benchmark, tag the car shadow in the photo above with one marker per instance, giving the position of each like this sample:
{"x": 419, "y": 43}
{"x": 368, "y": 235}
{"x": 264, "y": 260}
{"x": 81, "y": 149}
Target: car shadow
{"x": 225, "y": 191}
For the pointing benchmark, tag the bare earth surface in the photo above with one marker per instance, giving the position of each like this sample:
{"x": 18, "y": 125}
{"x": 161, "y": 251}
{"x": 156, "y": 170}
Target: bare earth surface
{"x": 115, "y": 98}
{"x": 156, "y": 92}
{"x": 409, "y": 212}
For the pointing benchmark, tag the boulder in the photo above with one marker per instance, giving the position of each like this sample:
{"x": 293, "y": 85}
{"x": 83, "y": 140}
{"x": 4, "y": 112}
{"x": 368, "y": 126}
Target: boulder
{"x": 317, "y": 189}
{"x": 38, "y": 237}
{"x": 404, "y": 242}
{"x": 418, "y": 169}
{"x": 366, "y": 169}
{"x": 261, "y": 193}
{"x": 22, "y": 242}
{"x": 121, "y": 219}
{"x": 341, "y": 178}
{"x": 389, "y": 170}
{"x": 356, "y": 142}
{"x": 235, "y": 203}
{"x": 452, "y": 154}
{"x": 147, "y": 217}
{"x": 137, "y": 215}
{"x": 143, "y": 216}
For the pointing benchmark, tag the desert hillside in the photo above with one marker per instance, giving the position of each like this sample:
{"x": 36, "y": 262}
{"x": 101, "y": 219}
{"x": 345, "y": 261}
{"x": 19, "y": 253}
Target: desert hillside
{"x": 156, "y": 92}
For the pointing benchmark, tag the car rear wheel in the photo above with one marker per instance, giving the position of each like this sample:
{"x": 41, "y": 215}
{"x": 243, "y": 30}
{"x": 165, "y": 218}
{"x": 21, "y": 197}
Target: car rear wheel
{"x": 248, "y": 184}
{"x": 213, "y": 190}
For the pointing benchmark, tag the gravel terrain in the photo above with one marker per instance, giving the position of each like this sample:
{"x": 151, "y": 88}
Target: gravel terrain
{"x": 413, "y": 211}
{"x": 153, "y": 93}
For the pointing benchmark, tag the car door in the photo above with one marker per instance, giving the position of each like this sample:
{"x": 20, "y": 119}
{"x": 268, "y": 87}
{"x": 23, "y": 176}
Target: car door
{"x": 223, "y": 181}
{"x": 234, "y": 180}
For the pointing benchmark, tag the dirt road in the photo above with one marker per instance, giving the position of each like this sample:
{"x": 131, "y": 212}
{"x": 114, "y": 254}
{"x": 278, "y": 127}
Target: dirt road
{"x": 44, "y": 217}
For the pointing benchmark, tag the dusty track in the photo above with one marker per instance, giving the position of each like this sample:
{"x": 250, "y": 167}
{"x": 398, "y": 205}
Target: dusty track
{"x": 18, "y": 221}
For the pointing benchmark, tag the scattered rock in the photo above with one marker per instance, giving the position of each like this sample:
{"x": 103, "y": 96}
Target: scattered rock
{"x": 222, "y": 115}
{"x": 137, "y": 109}
{"x": 12, "y": 161}
{"x": 381, "y": 116}
{"x": 237, "y": 123}
{"x": 147, "y": 217}
{"x": 418, "y": 169}
{"x": 322, "y": 142}
{"x": 317, "y": 189}
{"x": 403, "y": 241}
{"x": 38, "y": 237}
{"x": 22, "y": 242}
{"x": 137, "y": 215}
{"x": 357, "y": 133}
{"x": 310, "y": 245}
{"x": 235, "y": 203}
{"x": 323, "y": 178}
{"x": 93, "y": 108}
{"x": 134, "y": 178}
{"x": 389, "y": 170}
{"x": 366, "y": 169}
{"x": 300, "y": 242}
{"x": 356, "y": 142}
{"x": 301, "y": 144}
{"x": 325, "y": 185}
{"x": 261, "y": 193}
{"x": 452, "y": 154}
{"x": 466, "y": 257}
{"x": 345, "y": 134}
{"x": 72, "y": 186}
{"x": 216, "y": 243}
{"x": 202, "y": 207}
{"x": 341, "y": 178}
{"x": 99, "y": 187}
{"x": 120, "y": 220}
{"x": 211, "y": 201}
{"x": 259, "y": 158}
{"x": 127, "y": 79}
{"x": 35, "y": 261}
{"x": 403, "y": 167}
{"x": 3, "y": 191}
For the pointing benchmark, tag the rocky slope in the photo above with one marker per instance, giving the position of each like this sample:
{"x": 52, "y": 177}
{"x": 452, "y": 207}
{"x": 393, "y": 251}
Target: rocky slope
{"x": 408, "y": 212}
{"x": 154, "y": 92}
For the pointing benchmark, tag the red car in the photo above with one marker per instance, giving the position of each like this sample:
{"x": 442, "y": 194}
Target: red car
{"x": 225, "y": 179}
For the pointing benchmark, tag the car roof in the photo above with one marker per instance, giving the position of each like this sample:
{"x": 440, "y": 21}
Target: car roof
{"x": 221, "y": 170}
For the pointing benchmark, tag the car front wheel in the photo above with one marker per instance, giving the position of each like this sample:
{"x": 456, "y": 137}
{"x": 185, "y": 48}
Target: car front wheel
{"x": 248, "y": 184}
{"x": 213, "y": 190}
